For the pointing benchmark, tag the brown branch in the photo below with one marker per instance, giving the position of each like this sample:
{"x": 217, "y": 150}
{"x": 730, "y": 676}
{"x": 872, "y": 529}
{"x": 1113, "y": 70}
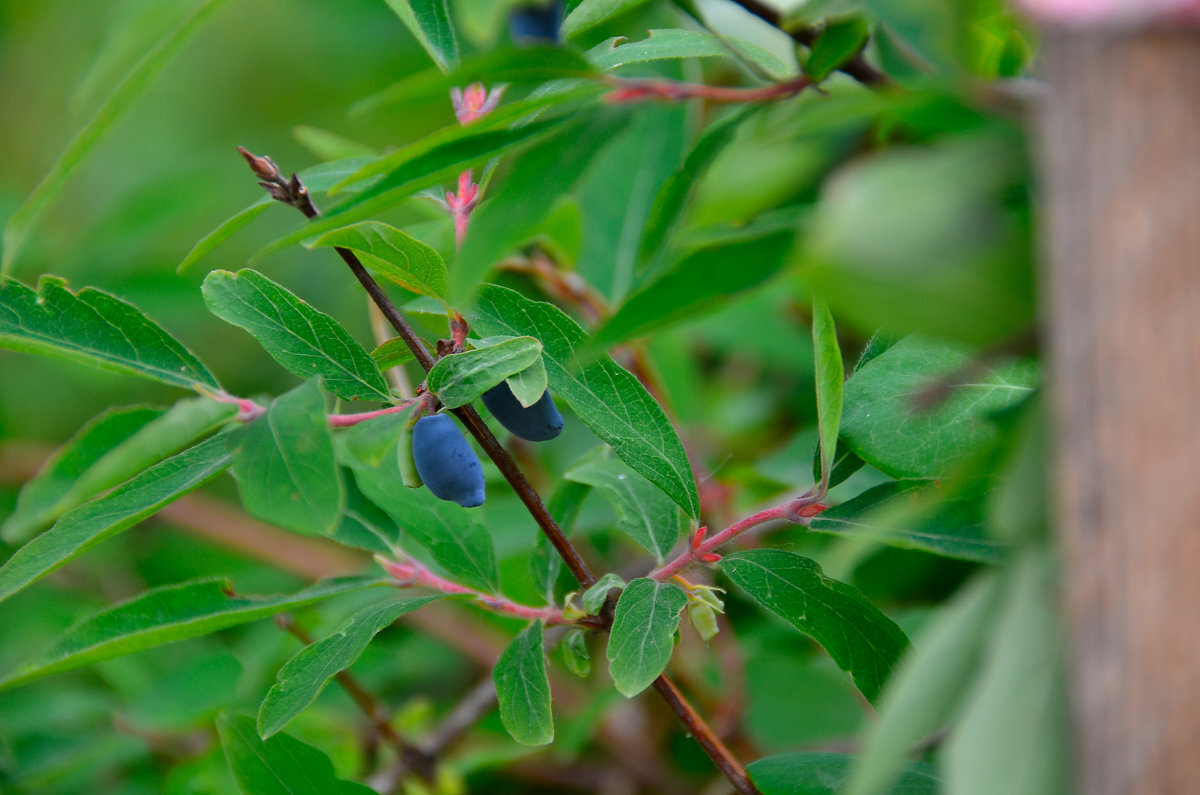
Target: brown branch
{"x": 292, "y": 192}
{"x": 857, "y": 67}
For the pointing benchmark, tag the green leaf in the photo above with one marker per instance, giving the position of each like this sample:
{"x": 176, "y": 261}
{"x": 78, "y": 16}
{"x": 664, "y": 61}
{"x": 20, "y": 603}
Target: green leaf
{"x": 523, "y": 688}
{"x": 95, "y": 328}
{"x": 439, "y": 165}
{"x": 671, "y": 199}
{"x": 364, "y": 525}
{"x": 392, "y": 253}
{"x": 826, "y": 774}
{"x": 515, "y": 209}
{"x": 454, "y": 536}
{"x": 915, "y": 514}
{"x": 530, "y": 384}
{"x": 281, "y": 765}
{"x": 672, "y": 43}
{"x": 38, "y": 499}
{"x": 545, "y": 564}
{"x": 883, "y": 426}
{"x": 643, "y": 633}
{"x": 841, "y": 40}
{"x": 392, "y": 353}
{"x": 284, "y": 464}
{"x": 845, "y": 463}
{"x": 702, "y": 282}
{"x": 926, "y": 691}
{"x": 461, "y": 377}
{"x": 302, "y": 339}
{"x": 168, "y": 614}
{"x": 609, "y": 400}
{"x": 1013, "y": 734}
{"x": 86, "y": 526}
{"x": 429, "y": 21}
{"x": 644, "y": 512}
{"x": 594, "y": 598}
{"x": 316, "y": 179}
{"x": 110, "y": 111}
{"x": 857, "y": 635}
{"x": 371, "y": 443}
{"x": 831, "y": 381}
{"x": 575, "y": 652}
{"x": 590, "y": 13}
{"x": 303, "y": 677}
{"x": 328, "y": 145}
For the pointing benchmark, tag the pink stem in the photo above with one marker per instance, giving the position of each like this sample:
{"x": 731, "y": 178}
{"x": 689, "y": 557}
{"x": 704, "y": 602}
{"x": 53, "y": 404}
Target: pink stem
{"x": 347, "y": 420}
{"x": 249, "y": 410}
{"x": 409, "y": 573}
{"x": 635, "y": 90}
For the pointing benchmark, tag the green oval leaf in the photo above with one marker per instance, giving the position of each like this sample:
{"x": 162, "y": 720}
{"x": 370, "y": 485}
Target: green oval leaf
{"x": 304, "y": 340}
{"x": 831, "y": 381}
{"x": 609, "y": 400}
{"x": 643, "y": 633}
{"x": 391, "y": 253}
{"x": 281, "y": 765}
{"x": 857, "y": 635}
{"x": 461, "y": 377}
{"x": 671, "y": 43}
{"x": 523, "y": 688}
{"x": 826, "y": 774}
{"x": 303, "y": 677}
{"x": 644, "y": 512}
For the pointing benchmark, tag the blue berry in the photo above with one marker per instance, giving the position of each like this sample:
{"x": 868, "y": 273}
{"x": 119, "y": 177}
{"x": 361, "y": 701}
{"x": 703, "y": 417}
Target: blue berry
{"x": 446, "y": 462}
{"x": 536, "y": 423}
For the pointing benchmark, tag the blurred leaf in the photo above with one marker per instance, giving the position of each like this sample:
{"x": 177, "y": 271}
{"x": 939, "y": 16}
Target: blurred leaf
{"x": 523, "y": 688}
{"x": 284, "y": 464}
{"x": 609, "y": 400}
{"x": 429, "y": 21}
{"x": 914, "y": 515}
{"x": 513, "y": 211}
{"x": 926, "y": 691}
{"x": 39, "y": 497}
{"x": 123, "y": 95}
{"x": 883, "y": 425}
{"x": 643, "y": 633}
{"x": 97, "y": 521}
{"x": 826, "y": 774}
{"x": 594, "y": 597}
{"x": 168, "y": 614}
{"x": 454, "y": 536}
{"x": 831, "y": 380}
{"x": 514, "y": 65}
{"x": 392, "y": 253}
{"x": 328, "y": 145}
{"x": 544, "y": 562}
{"x": 95, "y": 328}
{"x": 1013, "y": 733}
{"x": 841, "y": 40}
{"x": 669, "y": 43}
{"x": 303, "y": 677}
{"x": 317, "y": 179}
{"x": 459, "y": 378}
{"x": 702, "y": 282}
{"x": 392, "y": 353}
{"x": 857, "y": 635}
{"x": 439, "y": 165}
{"x": 644, "y": 512}
{"x": 530, "y": 384}
{"x": 587, "y": 14}
{"x": 364, "y": 525}
{"x": 304, "y": 340}
{"x": 281, "y": 765}
{"x": 671, "y": 199}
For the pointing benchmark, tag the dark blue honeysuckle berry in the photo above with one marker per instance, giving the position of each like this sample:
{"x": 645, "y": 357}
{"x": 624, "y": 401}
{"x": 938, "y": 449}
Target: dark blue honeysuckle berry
{"x": 537, "y": 423}
{"x": 446, "y": 462}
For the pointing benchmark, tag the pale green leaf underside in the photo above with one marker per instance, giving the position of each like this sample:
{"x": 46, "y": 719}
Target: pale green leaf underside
{"x": 303, "y": 677}
{"x": 86, "y": 526}
{"x": 644, "y": 512}
{"x": 523, "y": 688}
{"x": 304, "y": 340}
{"x": 643, "y": 633}
{"x": 114, "y": 106}
{"x": 831, "y": 379}
{"x": 168, "y": 614}
{"x": 670, "y": 43}
{"x": 281, "y": 765}
{"x": 461, "y": 377}
{"x": 590, "y": 13}
{"x": 392, "y": 253}
{"x": 95, "y": 328}
{"x": 609, "y": 400}
{"x": 530, "y": 384}
{"x": 284, "y": 464}
{"x": 857, "y": 635}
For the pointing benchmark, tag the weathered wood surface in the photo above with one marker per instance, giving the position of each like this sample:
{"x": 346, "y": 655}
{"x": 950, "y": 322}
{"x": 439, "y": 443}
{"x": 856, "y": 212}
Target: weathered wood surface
{"x": 1121, "y": 183}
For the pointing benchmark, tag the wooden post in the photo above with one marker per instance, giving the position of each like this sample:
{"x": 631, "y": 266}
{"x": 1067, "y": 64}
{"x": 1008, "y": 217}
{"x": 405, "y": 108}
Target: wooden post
{"x": 1121, "y": 183}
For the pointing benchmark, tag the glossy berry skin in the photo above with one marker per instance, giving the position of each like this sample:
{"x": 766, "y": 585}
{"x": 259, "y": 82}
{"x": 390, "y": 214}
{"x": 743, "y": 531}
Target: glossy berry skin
{"x": 446, "y": 462}
{"x": 537, "y": 423}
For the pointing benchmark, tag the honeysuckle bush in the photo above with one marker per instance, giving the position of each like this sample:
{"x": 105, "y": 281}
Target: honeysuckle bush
{"x": 773, "y": 267}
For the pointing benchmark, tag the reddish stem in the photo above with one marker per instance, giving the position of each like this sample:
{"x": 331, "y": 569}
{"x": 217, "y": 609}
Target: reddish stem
{"x": 627, "y": 90}
{"x": 409, "y": 572}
